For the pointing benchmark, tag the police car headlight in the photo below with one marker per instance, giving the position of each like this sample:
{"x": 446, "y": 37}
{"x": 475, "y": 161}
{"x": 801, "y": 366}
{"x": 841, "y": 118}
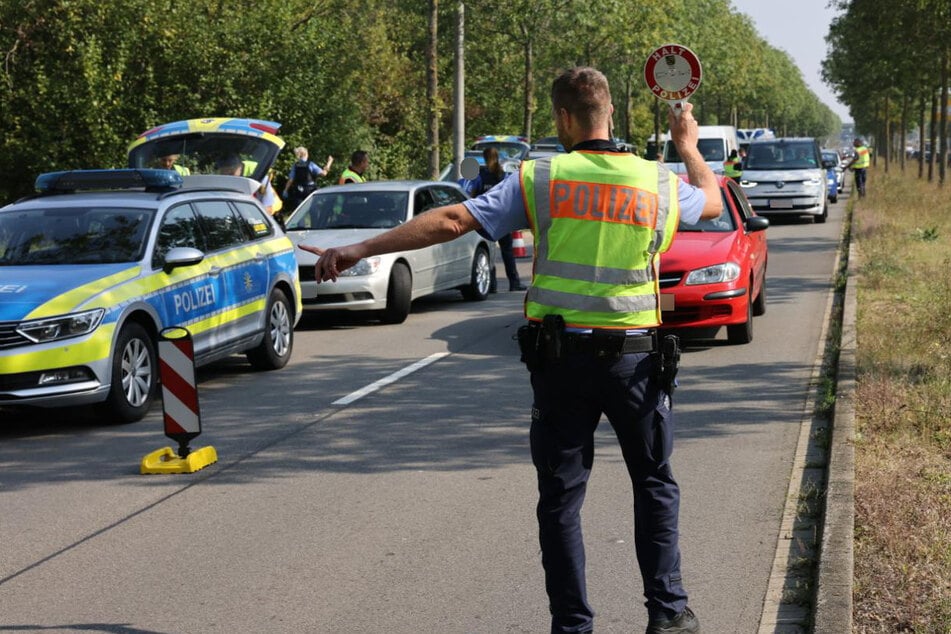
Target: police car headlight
{"x": 726, "y": 272}
{"x": 63, "y": 327}
{"x": 366, "y": 266}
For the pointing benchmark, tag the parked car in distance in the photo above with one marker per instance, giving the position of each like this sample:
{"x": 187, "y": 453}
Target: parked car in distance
{"x": 714, "y": 273}
{"x": 342, "y": 214}
{"x": 832, "y": 156}
{"x": 786, "y": 176}
{"x": 100, "y": 262}
{"x": 512, "y": 151}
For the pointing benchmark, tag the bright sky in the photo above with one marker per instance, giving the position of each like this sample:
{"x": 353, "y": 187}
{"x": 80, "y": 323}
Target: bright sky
{"x": 800, "y": 29}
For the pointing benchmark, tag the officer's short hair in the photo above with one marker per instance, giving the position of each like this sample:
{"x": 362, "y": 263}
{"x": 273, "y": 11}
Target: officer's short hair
{"x": 584, "y": 92}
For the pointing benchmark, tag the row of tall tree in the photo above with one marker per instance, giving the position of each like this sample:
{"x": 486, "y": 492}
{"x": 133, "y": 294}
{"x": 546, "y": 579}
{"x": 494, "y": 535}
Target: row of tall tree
{"x": 889, "y": 62}
{"x": 79, "y": 79}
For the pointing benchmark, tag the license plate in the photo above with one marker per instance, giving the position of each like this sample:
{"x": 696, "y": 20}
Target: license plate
{"x": 666, "y": 301}
{"x": 780, "y": 204}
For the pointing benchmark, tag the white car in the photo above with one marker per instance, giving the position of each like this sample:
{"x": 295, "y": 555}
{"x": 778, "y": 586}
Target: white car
{"x": 786, "y": 176}
{"x": 343, "y": 214}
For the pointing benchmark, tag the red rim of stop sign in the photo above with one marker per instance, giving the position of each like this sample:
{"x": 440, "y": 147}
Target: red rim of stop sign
{"x": 680, "y": 68}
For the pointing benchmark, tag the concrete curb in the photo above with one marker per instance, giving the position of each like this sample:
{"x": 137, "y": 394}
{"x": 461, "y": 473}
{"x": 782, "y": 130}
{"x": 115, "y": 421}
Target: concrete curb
{"x": 833, "y": 611}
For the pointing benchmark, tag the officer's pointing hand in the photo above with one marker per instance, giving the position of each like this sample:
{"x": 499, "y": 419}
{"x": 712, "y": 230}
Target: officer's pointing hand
{"x": 331, "y": 261}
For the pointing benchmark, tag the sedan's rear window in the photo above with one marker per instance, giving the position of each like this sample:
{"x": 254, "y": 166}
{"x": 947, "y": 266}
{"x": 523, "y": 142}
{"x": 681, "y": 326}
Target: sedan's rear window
{"x": 77, "y": 235}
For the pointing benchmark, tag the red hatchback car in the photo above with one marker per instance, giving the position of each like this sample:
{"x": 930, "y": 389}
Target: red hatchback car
{"x": 715, "y": 271}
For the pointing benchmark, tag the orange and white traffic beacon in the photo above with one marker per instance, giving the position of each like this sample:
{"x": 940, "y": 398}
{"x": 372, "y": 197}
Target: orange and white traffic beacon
{"x": 180, "y": 407}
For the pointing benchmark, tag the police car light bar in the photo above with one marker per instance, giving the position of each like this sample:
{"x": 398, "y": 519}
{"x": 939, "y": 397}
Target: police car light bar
{"x": 53, "y": 182}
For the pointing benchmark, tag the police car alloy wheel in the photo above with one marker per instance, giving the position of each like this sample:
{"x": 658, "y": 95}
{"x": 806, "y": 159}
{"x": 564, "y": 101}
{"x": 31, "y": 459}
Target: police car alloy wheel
{"x": 134, "y": 375}
{"x": 275, "y": 349}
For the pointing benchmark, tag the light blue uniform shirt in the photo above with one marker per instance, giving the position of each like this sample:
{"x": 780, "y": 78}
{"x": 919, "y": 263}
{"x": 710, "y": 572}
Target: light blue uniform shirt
{"x": 501, "y": 210}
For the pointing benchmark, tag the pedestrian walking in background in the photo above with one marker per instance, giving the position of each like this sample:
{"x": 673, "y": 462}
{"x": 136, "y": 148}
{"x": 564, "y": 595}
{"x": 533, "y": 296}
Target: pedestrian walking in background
{"x": 590, "y": 341}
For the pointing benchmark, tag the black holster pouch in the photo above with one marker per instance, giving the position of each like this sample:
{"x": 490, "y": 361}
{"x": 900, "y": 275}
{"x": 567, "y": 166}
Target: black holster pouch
{"x": 541, "y": 344}
{"x": 668, "y": 362}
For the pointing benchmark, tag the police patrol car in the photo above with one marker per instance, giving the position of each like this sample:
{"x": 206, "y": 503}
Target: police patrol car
{"x": 99, "y": 262}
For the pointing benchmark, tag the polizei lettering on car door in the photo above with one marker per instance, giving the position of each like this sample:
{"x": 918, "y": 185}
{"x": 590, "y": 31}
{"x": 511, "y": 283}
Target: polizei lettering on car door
{"x": 604, "y": 203}
{"x": 192, "y": 299}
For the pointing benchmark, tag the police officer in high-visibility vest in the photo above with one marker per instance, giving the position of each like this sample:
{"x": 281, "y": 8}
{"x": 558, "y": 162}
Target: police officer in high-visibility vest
{"x": 732, "y": 167}
{"x": 359, "y": 161}
{"x": 600, "y": 218}
{"x": 859, "y": 164}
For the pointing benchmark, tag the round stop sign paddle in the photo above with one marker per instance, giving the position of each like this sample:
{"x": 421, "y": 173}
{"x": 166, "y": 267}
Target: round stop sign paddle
{"x": 673, "y": 73}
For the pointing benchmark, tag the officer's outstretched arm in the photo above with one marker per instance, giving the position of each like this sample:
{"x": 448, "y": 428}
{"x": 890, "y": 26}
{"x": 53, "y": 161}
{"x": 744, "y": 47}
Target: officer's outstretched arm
{"x": 433, "y": 227}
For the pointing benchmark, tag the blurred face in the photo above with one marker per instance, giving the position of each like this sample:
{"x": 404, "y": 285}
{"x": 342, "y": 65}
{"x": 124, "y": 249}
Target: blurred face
{"x": 166, "y": 162}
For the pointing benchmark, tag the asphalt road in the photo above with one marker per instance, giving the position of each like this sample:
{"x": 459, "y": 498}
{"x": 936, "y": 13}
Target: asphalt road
{"x": 407, "y": 506}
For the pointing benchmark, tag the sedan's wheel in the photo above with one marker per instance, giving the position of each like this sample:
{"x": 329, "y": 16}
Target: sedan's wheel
{"x": 399, "y": 293}
{"x": 759, "y": 304}
{"x": 134, "y": 375}
{"x": 481, "y": 278}
{"x": 742, "y": 333}
{"x": 821, "y": 218}
{"x": 274, "y": 351}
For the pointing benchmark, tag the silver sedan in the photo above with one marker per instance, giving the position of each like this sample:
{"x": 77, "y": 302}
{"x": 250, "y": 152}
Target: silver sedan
{"x": 343, "y": 214}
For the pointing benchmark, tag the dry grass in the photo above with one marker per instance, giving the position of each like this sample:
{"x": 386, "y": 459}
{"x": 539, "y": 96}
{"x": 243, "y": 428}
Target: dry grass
{"x": 903, "y": 407}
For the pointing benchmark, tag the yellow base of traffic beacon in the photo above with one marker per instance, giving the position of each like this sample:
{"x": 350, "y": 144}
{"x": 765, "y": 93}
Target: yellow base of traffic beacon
{"x": 165, "y": 460}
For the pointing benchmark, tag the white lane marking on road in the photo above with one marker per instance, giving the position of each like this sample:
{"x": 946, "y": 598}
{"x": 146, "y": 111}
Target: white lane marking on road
{"x": 396, "y": 376}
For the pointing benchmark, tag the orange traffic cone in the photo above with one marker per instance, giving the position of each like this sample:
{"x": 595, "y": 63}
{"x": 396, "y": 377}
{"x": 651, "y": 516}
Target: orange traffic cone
{"x": 518, "y": 245}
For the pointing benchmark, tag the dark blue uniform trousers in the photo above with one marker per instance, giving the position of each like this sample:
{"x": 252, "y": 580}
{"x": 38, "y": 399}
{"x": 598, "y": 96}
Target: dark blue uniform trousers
{"x": 570, "y": 397}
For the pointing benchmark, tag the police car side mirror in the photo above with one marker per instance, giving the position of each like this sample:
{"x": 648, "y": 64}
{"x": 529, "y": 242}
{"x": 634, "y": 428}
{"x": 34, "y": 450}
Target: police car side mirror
{"x": 830, "y": 164}
{"x": 181, "y": 256}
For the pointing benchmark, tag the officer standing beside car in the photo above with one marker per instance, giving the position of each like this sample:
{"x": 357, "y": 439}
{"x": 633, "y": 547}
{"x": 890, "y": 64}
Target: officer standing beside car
{"x": 859, "y": 164}
{"x": 600, "y": 217}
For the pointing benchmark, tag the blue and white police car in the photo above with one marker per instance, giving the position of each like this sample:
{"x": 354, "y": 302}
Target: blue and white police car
{"x": 97, "y": 263}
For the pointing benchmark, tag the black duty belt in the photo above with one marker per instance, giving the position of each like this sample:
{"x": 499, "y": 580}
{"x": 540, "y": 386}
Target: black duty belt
{"x": 606, "y": 342}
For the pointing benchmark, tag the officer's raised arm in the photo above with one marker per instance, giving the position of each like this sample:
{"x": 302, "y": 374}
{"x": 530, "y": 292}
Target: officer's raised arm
{"x": 685, "y": 133}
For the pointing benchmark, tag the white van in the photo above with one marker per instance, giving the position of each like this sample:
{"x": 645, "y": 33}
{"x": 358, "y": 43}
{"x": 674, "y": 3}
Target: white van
{"x": 715, "y": 144}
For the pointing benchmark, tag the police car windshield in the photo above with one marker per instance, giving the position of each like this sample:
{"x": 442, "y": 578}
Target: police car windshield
{"x": 362, "y": 209}
{"x": 77, "y": 235}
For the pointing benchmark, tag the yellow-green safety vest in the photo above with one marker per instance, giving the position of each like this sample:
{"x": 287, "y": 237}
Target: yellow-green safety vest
{"x": 731, "y": 168}
{"x": 599, "y": 221}
{"x": 349, "y": 173}
{"x": 862, "y": 161}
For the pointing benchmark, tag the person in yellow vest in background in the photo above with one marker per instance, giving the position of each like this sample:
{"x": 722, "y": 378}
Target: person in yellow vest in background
{"x": 167, "y": 162}
{"x": 732, "y": 167}
{"x": 590, "y": 341}
{"x": 859, "y": 164}
{"x": 359, "y": 161}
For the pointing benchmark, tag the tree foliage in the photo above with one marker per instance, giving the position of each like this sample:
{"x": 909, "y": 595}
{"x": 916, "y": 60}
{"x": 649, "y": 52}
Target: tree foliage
{"x": 80, "y": 79}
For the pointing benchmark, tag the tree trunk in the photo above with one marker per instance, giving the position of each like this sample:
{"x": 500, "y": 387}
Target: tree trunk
{"x": 529, "y": 89}
{"x": 943, "y": 110}
{"x": 932, "y": 131}
{"x": 432, "y": 94}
